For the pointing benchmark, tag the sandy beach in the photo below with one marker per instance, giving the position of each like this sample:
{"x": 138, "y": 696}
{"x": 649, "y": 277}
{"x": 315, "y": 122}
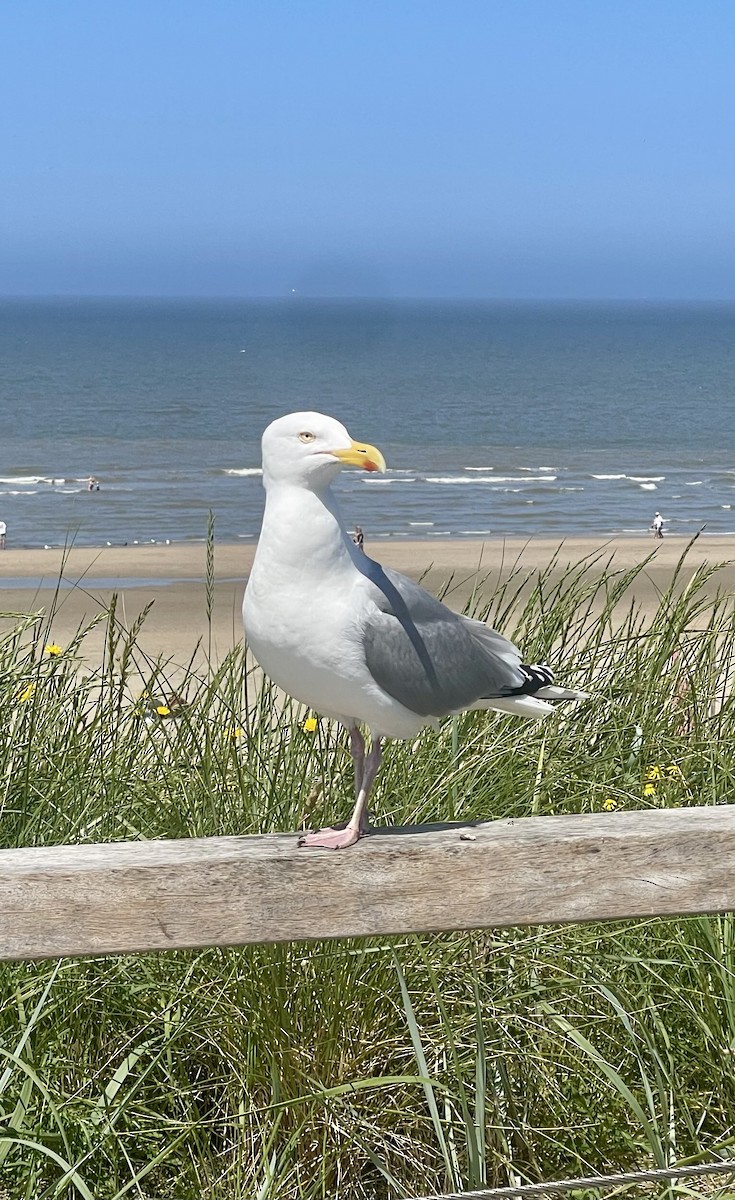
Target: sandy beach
{"x": 173, "y": 579}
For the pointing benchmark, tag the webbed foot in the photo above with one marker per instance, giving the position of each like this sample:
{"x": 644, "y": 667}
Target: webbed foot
{"x": 332, "y": 839}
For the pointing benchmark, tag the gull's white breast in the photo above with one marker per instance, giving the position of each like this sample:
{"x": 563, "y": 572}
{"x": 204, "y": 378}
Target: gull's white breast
{"x": 304, "y": 628}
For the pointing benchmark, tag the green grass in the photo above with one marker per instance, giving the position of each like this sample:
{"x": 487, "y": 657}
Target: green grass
{"x": 380, "y": 1067}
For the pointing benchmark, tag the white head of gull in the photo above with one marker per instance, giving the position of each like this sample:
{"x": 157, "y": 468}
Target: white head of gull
{"x": 355, "y": 641}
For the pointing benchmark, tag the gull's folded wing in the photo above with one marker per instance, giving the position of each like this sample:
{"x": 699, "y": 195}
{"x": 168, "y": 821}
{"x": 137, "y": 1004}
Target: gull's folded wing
{"x": 427, "y": 657}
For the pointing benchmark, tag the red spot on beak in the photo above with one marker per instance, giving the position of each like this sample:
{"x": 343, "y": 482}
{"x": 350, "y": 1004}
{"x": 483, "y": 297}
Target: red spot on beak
{"x": 369, "y": 465}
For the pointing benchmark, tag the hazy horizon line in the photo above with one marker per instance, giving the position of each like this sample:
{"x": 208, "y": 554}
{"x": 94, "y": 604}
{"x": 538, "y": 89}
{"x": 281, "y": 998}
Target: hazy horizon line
{"x": 728, "y": 301}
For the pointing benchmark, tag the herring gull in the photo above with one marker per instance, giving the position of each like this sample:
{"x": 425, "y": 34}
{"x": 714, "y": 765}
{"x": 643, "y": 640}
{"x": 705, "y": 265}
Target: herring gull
{"x": 356, "y": 641}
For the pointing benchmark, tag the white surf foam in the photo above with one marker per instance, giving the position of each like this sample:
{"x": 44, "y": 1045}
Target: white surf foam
{"x": 242, "y": 471}
{"x": 26, "y": 480}
{"x": 373, "y": 480}
{"x": 493, "y": 479}
{"x": 609, "y": 476}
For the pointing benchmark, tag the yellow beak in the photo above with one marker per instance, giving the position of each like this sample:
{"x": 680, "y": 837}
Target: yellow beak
{"x": 360, "y": 454}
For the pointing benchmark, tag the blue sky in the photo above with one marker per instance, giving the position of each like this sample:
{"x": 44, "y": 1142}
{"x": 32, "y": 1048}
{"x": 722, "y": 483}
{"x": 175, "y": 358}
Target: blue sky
{"x": 498, "y": 148}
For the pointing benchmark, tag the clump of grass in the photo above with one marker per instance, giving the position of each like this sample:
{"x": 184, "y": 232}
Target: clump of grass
{"x": 375, "y": 1067}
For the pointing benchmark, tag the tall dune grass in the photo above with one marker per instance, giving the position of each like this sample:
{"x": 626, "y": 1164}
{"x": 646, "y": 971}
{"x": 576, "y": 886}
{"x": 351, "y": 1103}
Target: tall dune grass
{"x": 376, "y": 1067}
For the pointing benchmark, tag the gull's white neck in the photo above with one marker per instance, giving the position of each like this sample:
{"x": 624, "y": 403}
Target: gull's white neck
{"x": 303, "y": 532}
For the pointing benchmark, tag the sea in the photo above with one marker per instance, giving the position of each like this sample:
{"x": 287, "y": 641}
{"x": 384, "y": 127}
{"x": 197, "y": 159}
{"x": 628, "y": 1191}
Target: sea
{"x": 496, "y": 419}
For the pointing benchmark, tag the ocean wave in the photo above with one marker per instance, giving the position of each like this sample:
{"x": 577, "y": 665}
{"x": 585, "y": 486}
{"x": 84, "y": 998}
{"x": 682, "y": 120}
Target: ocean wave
{"x": 28, "y": 480}
{"x": 421, "y": 522}
{"x": 17, "y": 492}
{"x": 478, "y": 468}
{"x": 648, "y": 487}
{"x": 693, "y": 482}
{"x": 55, "y": 491}
{"x": 372, "y": 479}
{"x": 491, "y": 480}
{"x": 634, "y": 478}
{"x": 525, "y": 478}
{"x": 242, "y": 470}
{"x": 454, "y": 479}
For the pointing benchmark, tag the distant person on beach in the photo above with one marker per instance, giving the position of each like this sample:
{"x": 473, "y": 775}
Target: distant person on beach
{"x": 358, "y": 538}
{"x": 93, "y": 484}
{"x": 658, "y": 526}
{"x": 3, "y": 534}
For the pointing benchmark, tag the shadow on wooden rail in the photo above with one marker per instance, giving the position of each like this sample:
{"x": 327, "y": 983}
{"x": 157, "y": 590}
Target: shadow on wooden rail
{"x": 124, "y": 897}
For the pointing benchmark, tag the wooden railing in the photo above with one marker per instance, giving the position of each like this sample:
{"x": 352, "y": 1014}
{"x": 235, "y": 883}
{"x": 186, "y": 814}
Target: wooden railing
{"x": 123, "y": 897}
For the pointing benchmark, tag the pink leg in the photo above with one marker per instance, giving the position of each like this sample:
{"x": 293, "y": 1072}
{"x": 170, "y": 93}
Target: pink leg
{"x": 357, "y": 750}
{"x": 356, "y": 827}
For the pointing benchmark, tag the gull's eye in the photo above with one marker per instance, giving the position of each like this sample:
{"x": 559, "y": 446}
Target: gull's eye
{"x": 307, "y": 437}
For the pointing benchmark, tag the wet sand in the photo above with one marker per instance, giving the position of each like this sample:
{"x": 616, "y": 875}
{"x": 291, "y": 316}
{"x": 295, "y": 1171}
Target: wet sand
{"x": 173, "y": 578}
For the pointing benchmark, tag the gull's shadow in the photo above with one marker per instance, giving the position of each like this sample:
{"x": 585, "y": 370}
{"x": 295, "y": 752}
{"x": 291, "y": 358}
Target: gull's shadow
{"x": 430, "y": 827}
{"x": 401, "y": 831}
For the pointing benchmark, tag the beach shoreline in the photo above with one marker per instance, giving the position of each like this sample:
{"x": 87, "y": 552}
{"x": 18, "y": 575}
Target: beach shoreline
{"x": 78, "y": 584}
{"x": 179, "y": 560}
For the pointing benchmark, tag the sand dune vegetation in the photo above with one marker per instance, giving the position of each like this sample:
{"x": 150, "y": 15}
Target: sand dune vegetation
{"x": 381, "y": 1067}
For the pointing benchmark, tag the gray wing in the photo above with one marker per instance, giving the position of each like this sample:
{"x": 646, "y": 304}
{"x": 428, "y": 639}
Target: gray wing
{"x": 429, "y": 658}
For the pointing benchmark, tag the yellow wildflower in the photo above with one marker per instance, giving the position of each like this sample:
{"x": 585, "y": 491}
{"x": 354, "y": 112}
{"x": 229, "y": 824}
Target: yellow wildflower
{"x": 658, "y": 773}
{"x": 309, "y": 725}
{"x": 236, "y": 731}
{"x": 163, "y": 710}
{"x": 609, "y": 803}
{"x": 53, "y": 649}
{"x": 27, "y": 693}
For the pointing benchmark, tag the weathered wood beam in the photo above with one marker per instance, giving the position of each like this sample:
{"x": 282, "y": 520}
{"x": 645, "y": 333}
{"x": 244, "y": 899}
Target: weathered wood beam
{"x": 166, "y": 895}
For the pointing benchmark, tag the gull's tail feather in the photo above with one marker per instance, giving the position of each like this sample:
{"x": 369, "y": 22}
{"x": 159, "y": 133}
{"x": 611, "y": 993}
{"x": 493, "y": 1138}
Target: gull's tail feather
{"x": 559, "y": 693}
{"x": 538, "y": 681}
{"x": 519, "y": 706}
{"x": 532, "y": 698}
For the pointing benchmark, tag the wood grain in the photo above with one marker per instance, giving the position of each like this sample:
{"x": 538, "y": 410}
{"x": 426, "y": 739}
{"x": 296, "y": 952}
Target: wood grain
{"x": 165, "y": 895}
